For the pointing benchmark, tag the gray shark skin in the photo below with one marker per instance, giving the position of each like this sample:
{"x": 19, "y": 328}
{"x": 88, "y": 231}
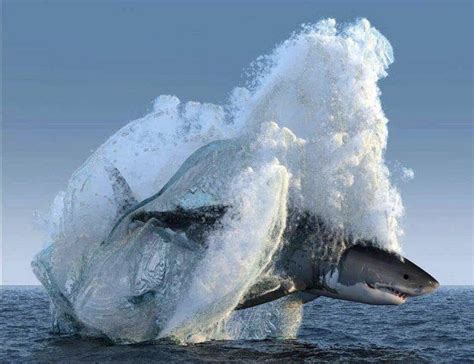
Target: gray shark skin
{"x": 130, "y": 284}
{"x": 320, "y": 261}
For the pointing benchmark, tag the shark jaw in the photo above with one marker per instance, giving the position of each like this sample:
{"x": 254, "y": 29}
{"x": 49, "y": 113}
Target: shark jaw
{"x": 364, "y": 293}
{"x": 369, "y": 293}
{"x": 390, "y": 290}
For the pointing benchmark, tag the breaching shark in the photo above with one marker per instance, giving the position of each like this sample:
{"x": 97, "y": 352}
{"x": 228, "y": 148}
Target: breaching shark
{"x": 132, "y": 282}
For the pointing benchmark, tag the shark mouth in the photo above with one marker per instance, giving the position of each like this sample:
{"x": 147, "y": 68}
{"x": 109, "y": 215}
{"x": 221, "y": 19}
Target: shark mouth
{"x": 403, "y": 296}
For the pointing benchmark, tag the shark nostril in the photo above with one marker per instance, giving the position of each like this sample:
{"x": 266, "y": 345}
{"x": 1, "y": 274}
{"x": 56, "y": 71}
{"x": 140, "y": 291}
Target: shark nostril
{"x": 406, "y": 276}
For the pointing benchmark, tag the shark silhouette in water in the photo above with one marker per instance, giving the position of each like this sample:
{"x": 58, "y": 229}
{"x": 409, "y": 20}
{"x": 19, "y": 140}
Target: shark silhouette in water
{"x": 132, "y": 283}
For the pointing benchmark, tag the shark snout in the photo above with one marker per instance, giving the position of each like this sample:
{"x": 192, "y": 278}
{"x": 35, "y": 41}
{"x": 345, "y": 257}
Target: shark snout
{"x": 416, "y": 282}
{"x": 430, "y": 286}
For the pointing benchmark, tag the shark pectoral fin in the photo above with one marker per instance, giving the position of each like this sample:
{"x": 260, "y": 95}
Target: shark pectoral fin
{"x": 264, "y": 298}
{"x": 258, "y": 295}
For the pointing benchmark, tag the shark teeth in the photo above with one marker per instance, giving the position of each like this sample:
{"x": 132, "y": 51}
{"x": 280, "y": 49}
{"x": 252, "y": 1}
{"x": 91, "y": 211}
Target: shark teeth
{"x": 393, "y": 291}
{"x": 396, "y": 292}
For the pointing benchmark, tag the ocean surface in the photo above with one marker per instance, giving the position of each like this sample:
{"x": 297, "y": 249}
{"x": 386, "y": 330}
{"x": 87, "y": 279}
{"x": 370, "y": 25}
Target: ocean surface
{"x": 434, "y": 328}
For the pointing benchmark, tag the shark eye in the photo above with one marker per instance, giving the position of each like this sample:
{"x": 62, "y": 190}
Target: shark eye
{"x": 405, "y": 276}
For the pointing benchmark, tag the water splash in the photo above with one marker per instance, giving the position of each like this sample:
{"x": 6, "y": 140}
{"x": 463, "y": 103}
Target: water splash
{"x": 312, "y": 117}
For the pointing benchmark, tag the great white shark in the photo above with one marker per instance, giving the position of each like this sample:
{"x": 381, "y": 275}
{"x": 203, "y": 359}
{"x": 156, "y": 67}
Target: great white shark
{"x": 151, "y": 252}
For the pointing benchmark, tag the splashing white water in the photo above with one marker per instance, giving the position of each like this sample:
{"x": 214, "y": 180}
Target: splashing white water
{"x": 238, "y": 253}
{"x": 312, "y": 113}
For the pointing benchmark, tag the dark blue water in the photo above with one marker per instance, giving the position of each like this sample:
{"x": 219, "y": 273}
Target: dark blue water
{"x": 436, "y": 328}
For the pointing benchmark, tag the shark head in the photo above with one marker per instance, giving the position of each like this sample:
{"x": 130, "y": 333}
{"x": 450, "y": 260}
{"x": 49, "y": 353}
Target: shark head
{"x": 375, "y": 276}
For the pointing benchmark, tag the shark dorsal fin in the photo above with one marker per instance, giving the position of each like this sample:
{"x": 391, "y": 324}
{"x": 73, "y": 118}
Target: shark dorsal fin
{"x": 122, "y": 193}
